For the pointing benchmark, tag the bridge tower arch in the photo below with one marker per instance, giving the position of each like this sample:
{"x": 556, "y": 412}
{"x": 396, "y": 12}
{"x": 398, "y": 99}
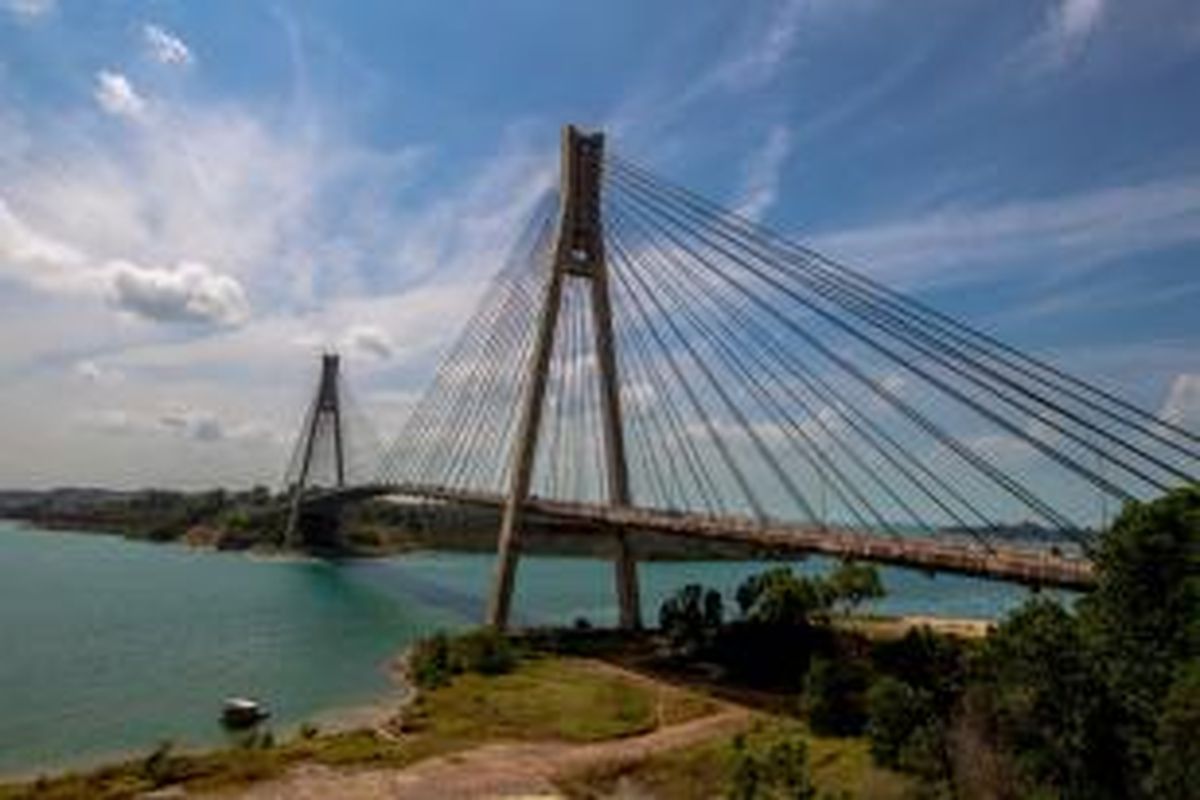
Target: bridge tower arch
{"x": 578, "y": 255}
{"x": 324, "y": 419}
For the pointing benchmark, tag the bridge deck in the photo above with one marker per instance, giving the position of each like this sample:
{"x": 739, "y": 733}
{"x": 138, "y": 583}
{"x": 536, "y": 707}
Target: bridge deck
{"x": 956, "y": 553}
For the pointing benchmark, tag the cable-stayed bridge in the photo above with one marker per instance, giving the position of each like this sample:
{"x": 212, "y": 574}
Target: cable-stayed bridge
{"x": 647, "y": 361}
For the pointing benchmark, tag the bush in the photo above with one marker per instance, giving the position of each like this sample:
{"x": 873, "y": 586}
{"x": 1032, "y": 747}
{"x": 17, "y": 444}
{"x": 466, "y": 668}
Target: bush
{"x": 429, "y": 662}
{"x": 435, "y": 660}
{"x": 774, "y": 766}
{"x": 484, "y": 651}
{"x": 691, "y": 619}
{"x": 894, "y": 711}
{"x": 834, "y": 696}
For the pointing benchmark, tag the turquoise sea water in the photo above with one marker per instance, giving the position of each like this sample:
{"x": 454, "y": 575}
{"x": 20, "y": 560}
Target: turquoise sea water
{"x": 109, "y": 646}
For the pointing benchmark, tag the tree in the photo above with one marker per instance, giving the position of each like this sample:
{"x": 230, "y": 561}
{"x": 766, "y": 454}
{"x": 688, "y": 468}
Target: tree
{"x": 852, "y": 584}
{"x": 834, "y": 695}
{"x": 1176, "y": 772}
{"x": 1048, "y": 706}
{"x": 1143, "y": 618}
{"x": 780, "y": 598}
{"x": 894, "y": 710}
{"x": 691, "y": 619}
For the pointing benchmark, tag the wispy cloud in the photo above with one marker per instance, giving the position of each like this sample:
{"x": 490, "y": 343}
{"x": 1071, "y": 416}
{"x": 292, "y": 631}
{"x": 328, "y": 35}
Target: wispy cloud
{"x": 1056, "y": 233}
{"x": 1182, "y": 405}
{"x": 760, "y": 181}
{"x": 29, "y": 9}
{"x": 165, "y": 47}
{"x": 1070, "y": 24}
{"x": 763, "y": 54}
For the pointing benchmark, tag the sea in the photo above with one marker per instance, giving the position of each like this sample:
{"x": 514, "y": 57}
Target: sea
{"x": 110, "y": 646}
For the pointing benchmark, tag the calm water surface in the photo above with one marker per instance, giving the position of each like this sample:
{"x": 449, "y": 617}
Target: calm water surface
{"x": 109, "y": 646}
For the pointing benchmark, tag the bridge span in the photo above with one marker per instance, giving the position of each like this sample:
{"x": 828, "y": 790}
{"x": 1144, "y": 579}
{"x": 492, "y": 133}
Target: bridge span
{"x": 646, "y": 360}
{"x": 955, "y": 552}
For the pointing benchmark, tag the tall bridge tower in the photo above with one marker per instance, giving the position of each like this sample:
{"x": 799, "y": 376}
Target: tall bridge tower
{"x": 322, "y": 431}
{"x": 578, "y": 255}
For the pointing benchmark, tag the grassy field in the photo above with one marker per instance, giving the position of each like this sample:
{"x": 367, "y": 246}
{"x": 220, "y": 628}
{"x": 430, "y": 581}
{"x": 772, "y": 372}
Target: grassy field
{"x": 840, "y": 768}
{"x": 545, "y": 698}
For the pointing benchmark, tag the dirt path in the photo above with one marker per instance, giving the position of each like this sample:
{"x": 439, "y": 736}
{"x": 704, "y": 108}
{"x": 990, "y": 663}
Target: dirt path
{"x": 492, "y": 771}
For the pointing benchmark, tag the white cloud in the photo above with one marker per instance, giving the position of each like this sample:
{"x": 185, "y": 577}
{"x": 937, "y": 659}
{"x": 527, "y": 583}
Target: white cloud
{"x": 93, "y": 372}
{"x": 190, "y": 292}
{"x": 1055, "y": 234}
{"x": 32, "y": 256}
{"x": 1182, "y": 406}
{"x": 1070, "y": 25}
{"x": 760, "y": 182}
{"x": 370, "y": 341}
{"x": 116, "y": 95}
{"x": 165, "y": 47}
{"x": 30, "y": 9}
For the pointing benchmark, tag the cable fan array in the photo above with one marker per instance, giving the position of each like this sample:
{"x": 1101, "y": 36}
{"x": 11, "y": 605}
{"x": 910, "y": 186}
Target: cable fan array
{"x": 759, "y": 378}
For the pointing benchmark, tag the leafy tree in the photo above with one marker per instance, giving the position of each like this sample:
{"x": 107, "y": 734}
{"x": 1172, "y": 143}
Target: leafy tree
{"x": 853, "y": 583}
{"x": 780, "y": 598}
{"x": 1047, "y": 706}
{"x": 691, "y": 619}
{"x": 1176, "y": 773}
{"x": 835, "y": 695}
{"x": 894, "y": 711}
{"x": 1143, "y": 618}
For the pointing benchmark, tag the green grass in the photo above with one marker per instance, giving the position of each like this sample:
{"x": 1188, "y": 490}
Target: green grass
{"x": 563, "y": 699}
{"x": 839, "y": 768}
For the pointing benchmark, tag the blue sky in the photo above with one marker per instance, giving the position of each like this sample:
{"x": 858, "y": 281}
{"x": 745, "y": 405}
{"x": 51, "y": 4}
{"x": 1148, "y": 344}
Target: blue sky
{"x": 196, "y": 197}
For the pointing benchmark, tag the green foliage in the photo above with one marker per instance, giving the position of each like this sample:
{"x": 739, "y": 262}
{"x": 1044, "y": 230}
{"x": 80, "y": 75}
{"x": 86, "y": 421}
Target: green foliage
{"x": 435, "y": 660}
{"x": 1047, "y": 706}
{"x": 780, "y": 598}
{"x": 770, "y": 766}
{"x": 1176, "y": 770}
{"x": 429, "y": 661}
{"x": 1143, "y": 619}
{"x": 895, "y": 710}
{"x": 835, "y": 695}
{"x": 691, "y": 619}
{"x": 853, "y": 583}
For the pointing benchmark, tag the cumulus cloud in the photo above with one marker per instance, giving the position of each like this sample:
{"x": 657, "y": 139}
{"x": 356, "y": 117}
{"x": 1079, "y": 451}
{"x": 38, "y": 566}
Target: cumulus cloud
{"x": 760, "y": 183}
{"x": 1182, "y": 406}
{"x": 191, "y": 292}
{"x": 165, "y": 47}
{"x": 116, "y": 95}
{"x": 369, "y": 340}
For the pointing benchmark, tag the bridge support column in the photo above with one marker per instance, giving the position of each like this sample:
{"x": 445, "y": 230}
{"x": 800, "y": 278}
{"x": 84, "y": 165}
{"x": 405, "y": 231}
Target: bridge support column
{"x": 579, "y": 254}
{"x": 326, "y": 407}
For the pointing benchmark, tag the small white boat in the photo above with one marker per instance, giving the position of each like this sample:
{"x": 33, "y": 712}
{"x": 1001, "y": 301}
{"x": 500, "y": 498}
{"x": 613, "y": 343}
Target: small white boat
{"x": 242, "y": 712}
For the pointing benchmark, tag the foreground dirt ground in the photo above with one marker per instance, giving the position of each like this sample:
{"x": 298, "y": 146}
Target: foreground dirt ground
{"x": 492, "y": 771}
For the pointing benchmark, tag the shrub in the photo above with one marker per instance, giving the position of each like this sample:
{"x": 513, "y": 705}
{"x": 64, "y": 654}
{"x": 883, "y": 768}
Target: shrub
{"x": 691, "y": 619}
{"x": 774, "y": 766}
{"x": 834, "y": 696}
{"x": 484, "y": 651}
{"x": 429, "y": 662}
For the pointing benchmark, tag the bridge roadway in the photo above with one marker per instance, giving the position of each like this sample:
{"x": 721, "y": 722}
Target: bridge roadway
{"x": 952, "y": 552}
